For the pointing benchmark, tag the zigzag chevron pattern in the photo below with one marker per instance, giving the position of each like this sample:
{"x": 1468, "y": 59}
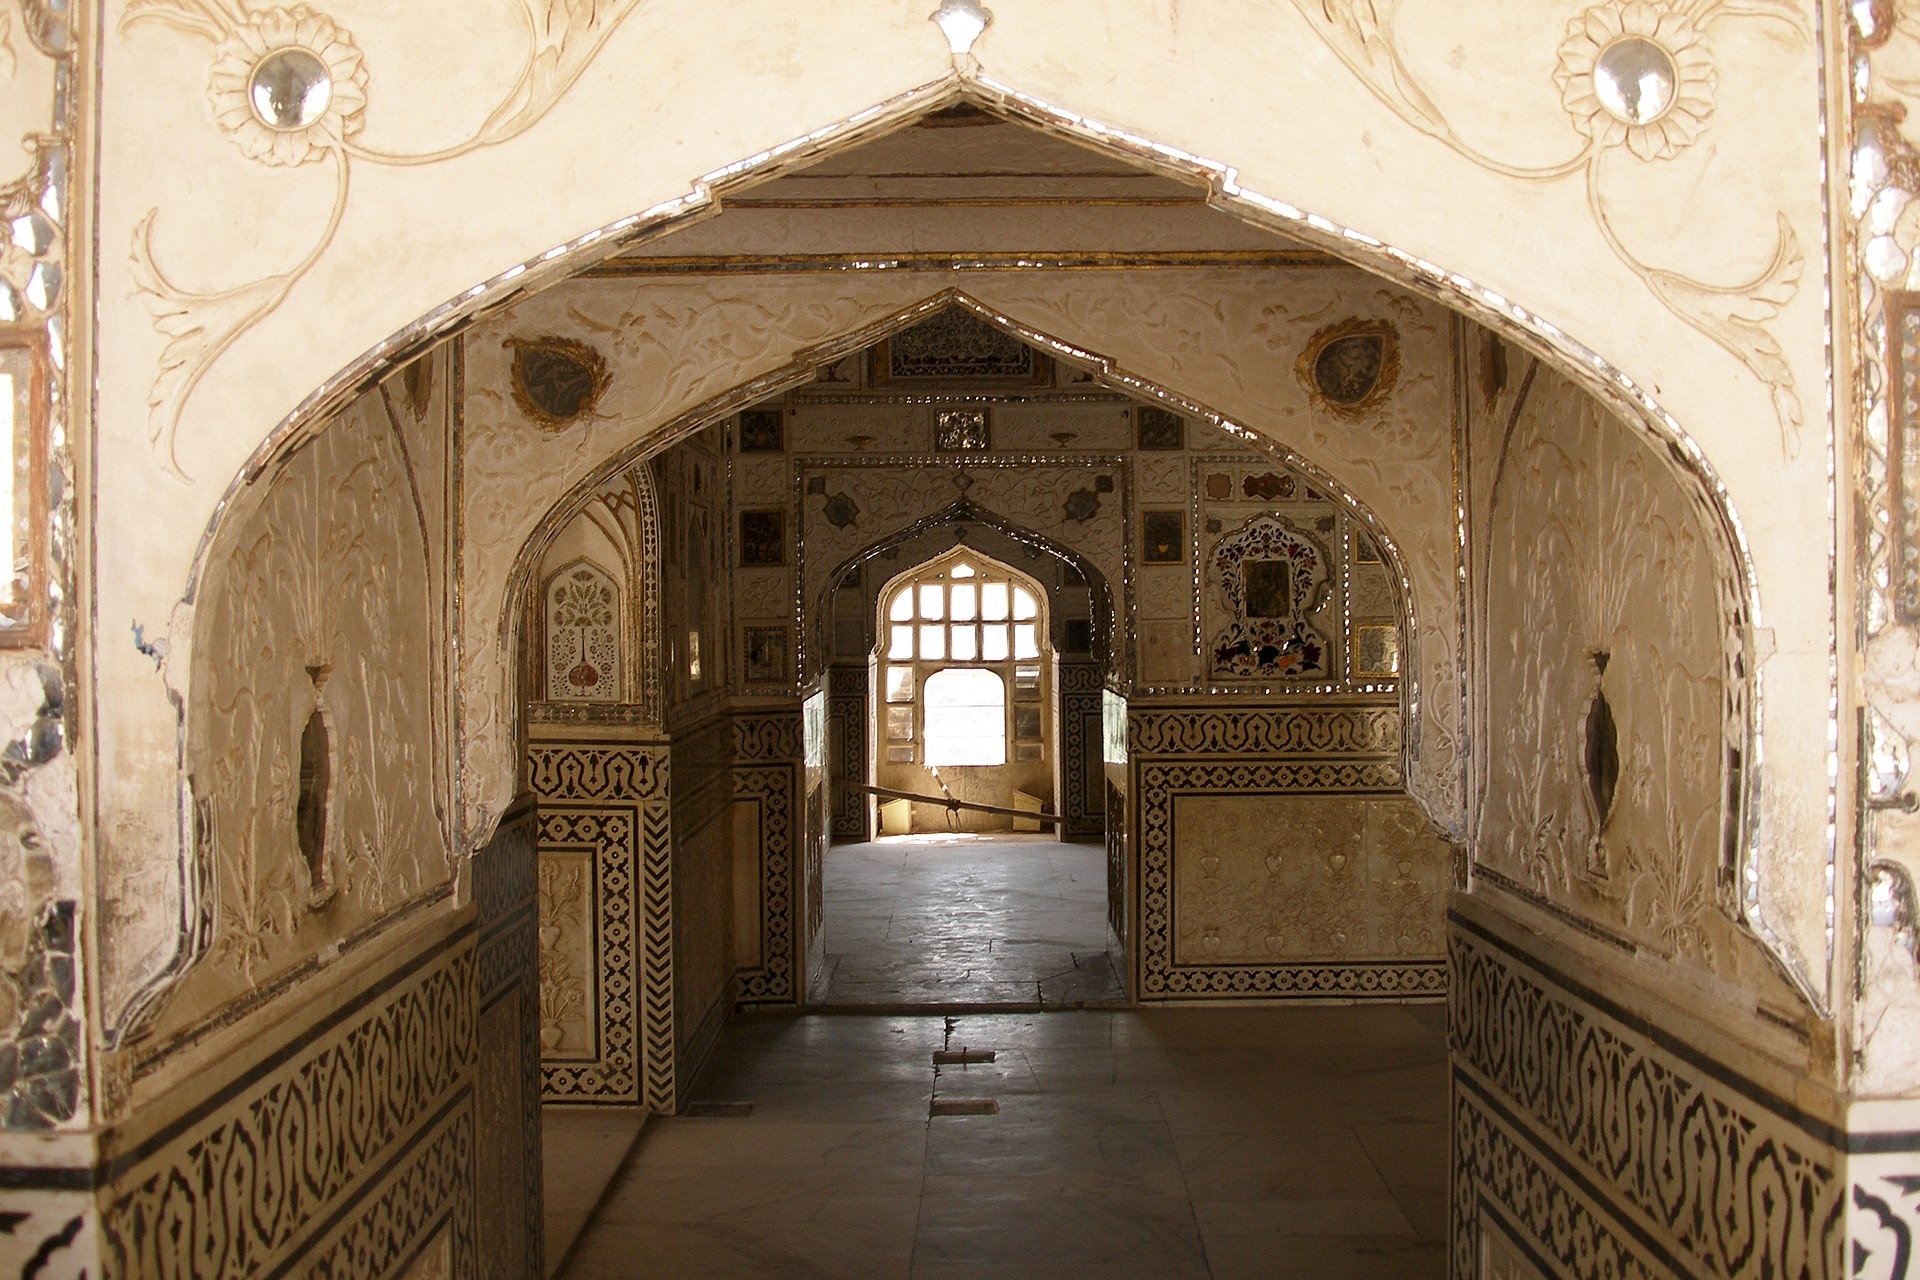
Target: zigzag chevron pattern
{"x": 773, "y": 787}
{"x": 656, "y": 957}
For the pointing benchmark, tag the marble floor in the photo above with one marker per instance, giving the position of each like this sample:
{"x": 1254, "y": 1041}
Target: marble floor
{"x": 967, "y": 920}
{"x": 1271, "y": 1143}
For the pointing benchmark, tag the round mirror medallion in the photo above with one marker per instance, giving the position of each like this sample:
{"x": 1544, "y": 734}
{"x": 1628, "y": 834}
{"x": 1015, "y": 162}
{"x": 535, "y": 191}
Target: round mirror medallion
{"x": 1635, "y": 79}
{"x": 290, "y": 89}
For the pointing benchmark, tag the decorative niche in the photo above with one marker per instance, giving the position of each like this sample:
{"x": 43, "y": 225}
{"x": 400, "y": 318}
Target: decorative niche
{"x": 581, "y": 635}
{"x": 954, "y": 347}
{"x": 1349, "y": 367}
{"x": 557, "y": 381}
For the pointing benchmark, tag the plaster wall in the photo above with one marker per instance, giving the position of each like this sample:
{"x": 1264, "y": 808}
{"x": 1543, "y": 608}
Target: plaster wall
{"x": 331, "y": 599}
{"x": 1721, "y": 318}
{"x": 1601, "y": 601}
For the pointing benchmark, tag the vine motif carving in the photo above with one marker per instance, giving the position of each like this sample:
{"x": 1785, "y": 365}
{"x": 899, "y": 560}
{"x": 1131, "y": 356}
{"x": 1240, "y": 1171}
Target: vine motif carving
{"x": 1362, "y": 730}
{"x": 563, "y": 988}
{"x": 334, "y": 528}
{"x": 1593, "y": 1092}
{"x": 295, "y": 1145}
{"x": 1631, "y": 569}
{"x": 1734, "y": 315}
{"x": 202, "y": 324}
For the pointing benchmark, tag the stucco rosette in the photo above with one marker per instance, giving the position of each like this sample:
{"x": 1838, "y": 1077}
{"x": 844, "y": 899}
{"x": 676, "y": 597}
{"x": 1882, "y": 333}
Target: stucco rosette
{"x": 1679, "y": 122}
{"x": 248, "y": 45}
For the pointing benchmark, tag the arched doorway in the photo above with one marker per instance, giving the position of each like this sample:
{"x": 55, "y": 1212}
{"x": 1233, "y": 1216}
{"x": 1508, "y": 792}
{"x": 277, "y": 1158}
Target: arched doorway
{"x": 696, "y": 657}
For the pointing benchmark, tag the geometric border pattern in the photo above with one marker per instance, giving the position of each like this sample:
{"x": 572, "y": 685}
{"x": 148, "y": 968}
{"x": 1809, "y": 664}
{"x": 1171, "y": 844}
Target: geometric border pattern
{"x": 1371, "y": 729}
{"x": 1082, "y": 691}
{"x": 612, "y": 798}
{"x": 847, "y": 709}
{"x": 766, "y": 773}
{"x": 1158, "y": 786}
{"x": 1610, "y": 1149}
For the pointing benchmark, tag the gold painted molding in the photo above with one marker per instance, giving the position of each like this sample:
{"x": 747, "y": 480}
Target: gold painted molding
{"x": 1044, "y": 260}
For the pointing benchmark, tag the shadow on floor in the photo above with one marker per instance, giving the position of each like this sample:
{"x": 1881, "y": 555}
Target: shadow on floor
{"x": 967, "y": 920}
{"x": 1251, "y": 1142}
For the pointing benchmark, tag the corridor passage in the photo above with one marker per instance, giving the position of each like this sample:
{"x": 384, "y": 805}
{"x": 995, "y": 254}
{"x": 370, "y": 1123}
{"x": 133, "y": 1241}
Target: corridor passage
{"x": 1269, "y": 1143}
{"x": 967, "y": 919}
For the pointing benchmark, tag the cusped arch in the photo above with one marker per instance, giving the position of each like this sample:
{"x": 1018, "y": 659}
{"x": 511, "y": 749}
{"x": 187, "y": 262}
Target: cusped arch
{"x": 966, "y": 512}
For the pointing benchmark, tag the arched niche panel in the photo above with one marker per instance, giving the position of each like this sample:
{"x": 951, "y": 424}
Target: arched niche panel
{"x": 1614, "y": 710}
{"x": 316, "y": 740}
{"x": 582, "y": 609}
{"x": 591, "y": 629}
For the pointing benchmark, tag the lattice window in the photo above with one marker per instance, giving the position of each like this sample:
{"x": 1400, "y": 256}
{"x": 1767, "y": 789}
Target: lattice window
{"x": 965, "y": 661}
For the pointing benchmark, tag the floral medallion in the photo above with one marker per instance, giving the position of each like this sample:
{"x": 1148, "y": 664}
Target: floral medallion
{"x": 288, "y": 86}
{"x": 1636, "y": 73}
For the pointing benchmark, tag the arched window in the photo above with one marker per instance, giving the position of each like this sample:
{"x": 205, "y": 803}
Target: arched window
{"x": 962, "y": 649}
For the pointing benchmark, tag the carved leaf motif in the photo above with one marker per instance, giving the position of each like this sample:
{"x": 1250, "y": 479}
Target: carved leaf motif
{"x": 193, "y": 16}
{"x": 1360, "y": 31}
{"x": 198, "y": 328}
{"x": 1791, "y": 13}
{"x": 7, "y": 59}
{"x": 566, "y": 35}
{"x": 1735, "y": 316}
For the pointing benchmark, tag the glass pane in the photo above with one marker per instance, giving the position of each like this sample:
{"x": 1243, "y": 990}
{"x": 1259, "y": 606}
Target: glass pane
{"x": 900, "y": 642}
{"x": 1026, "y": 680}
{"x": 993, "y": 643}
{"x": 900, "y": 755}
{"x": 899, "y": 684}
{"x": 993, "y": 601}
{"x": 1025, "y": 643}
{"x": 963, "y": 602}
{"x": 966, "y": 644}
{"x": 900, "y": 723}
{"x": 961, "y": 570}
{"x": 1023, "y": 604}
{"x": 902, "y": 607}
{"x": 933, "y": 602}
{"x": 1026, "y": 751}
{"x": 966, "y": 717}
{"x": 933, "y": 642}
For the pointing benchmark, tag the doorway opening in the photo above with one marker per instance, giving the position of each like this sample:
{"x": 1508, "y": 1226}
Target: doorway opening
{"x": 969, "y": 891}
